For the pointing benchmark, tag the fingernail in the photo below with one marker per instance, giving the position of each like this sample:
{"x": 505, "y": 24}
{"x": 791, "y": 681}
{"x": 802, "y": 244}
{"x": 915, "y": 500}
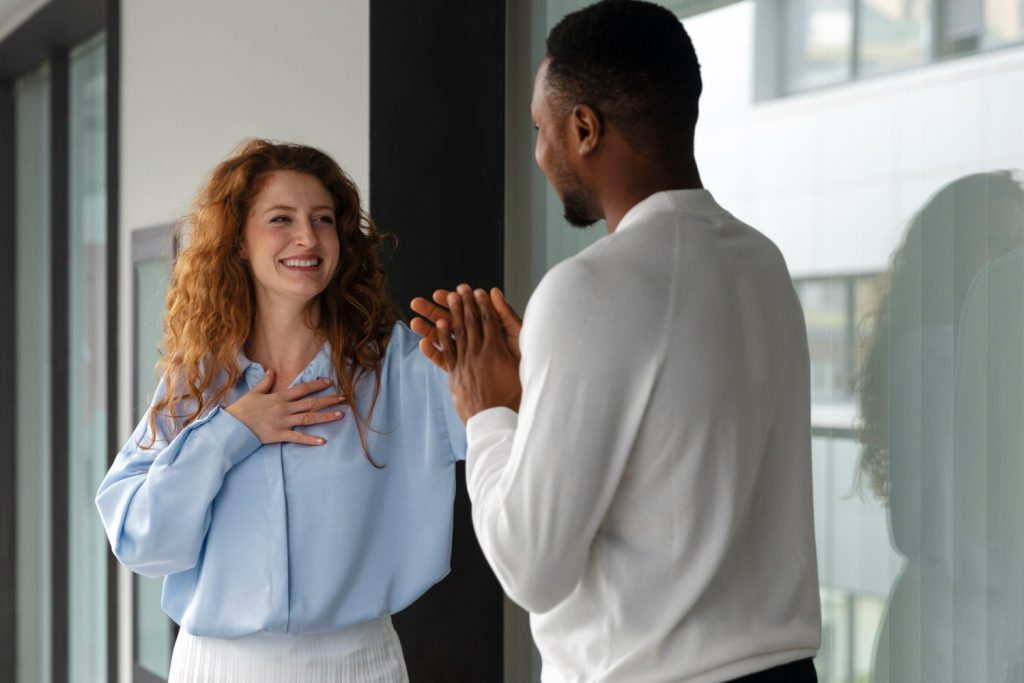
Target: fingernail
{"x": 337, "y": 413}
{"x": 480, "y": 294}
{"x": 464, "y": 288}
{"x": 322, "y": 441}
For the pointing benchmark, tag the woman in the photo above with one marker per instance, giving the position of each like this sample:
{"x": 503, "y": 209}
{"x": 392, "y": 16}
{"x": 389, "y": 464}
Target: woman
{"x": 294, "y": 476}
{"x": 941, "y": 401}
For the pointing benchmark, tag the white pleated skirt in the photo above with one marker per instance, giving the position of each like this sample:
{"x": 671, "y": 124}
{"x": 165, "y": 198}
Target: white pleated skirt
{"x": 364, "y": 653}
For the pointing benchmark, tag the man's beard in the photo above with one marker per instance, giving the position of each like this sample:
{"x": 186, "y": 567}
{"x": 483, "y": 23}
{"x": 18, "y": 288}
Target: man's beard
{"x": 576, "y": 213}
{"x": 576, "y": 200}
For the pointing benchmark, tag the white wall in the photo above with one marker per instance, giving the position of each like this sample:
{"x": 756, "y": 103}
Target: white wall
{"x": 834, "y": 176}
{"x": 196, "y": 78}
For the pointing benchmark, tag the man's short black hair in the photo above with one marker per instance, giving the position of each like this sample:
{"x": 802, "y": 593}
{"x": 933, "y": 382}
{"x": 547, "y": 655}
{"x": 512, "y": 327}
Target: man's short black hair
{"x": 634, "y": 63}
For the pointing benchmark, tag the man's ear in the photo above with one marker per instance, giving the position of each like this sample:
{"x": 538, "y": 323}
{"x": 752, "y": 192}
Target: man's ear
{"x": 587, "y": 127}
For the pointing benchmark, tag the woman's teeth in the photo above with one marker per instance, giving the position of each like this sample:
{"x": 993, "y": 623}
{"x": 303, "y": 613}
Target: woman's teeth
{"x": 301, "y": 263}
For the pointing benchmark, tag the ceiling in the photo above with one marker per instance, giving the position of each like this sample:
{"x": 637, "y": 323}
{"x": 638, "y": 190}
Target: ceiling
{"x": 13, "y": 12}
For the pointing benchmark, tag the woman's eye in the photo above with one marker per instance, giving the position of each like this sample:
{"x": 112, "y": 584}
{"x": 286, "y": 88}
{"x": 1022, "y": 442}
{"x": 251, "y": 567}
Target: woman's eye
{"x": 280, "y": 219}
{"x": 326, "y": 219}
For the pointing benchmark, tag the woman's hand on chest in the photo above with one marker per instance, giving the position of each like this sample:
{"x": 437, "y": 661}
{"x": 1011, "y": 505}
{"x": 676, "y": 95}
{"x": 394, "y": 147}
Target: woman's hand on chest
{"x": 273, "y": 415}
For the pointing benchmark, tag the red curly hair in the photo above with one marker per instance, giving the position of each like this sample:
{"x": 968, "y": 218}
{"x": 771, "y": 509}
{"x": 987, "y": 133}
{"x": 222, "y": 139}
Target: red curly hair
{"x": 211, "y": 304}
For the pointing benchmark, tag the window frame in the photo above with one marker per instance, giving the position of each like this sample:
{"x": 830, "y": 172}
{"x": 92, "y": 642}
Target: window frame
{"x": 48, "y": 35}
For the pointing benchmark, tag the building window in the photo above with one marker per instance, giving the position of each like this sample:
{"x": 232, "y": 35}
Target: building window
{"x": 32, "y": 265}
{"x": 838, "y": 311}
{"x": 827, "y": 42}
{"x": 86, "y": 302}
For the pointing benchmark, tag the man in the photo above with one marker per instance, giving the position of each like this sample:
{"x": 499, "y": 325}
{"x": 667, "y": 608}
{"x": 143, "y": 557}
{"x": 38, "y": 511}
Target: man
{"x": 647, "y": 496}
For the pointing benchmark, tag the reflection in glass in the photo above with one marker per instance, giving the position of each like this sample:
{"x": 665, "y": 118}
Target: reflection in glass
{"x": 893, "y": 34}
{"x": 972, "y": 25}
{"x": 87, "y": 380}
{"x": 942, "y": 401}
{"x": 826, "y": 310}
{"x": 856, "y": 565}
{"x": 835, "y": 311}
{"x": 32, "y": 263}
{"x": 1004, "y": 22}
{"x": 819, "y": 35}
{"x": 153, "y": 635}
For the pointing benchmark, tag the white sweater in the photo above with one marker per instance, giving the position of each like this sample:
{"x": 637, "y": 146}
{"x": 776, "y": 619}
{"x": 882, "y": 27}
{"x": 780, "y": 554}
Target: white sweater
{"x": 650, "y": 504}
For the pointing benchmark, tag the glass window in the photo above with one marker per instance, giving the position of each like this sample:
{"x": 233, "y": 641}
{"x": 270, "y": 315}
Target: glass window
{"x": 893, "y": 34}
{"x": 918, "y": 359}
{"x": 32, "y": 169}
{"x": 1004, "y": 23}
{"x": 826, "y": 42}
{"x": 152, "y": 251}
{"x": 818, "y": 42}
{"x": 856, "y": 564}
{"x": 87, "y": 381}
{"x": 827, "y": 311}
{"x": 839, "y": 314}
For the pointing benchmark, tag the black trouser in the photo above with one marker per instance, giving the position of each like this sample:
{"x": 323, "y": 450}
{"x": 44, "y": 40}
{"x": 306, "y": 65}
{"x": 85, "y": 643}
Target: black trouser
{"x": 794, "y": 672}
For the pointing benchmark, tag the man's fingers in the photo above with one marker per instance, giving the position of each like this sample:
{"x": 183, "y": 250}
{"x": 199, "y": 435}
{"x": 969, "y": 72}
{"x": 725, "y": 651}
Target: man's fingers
{"x": 509, "y": 318}
{"x": 440, "y": 297}
{"x": 511, "y": 323}
{"x": 429, "y": 349}
{"x": 458, "y": 323}
{"x": 428, "y": 309}
{"x": 446, "y": 345}
{"x": 489, "y": 325}
{"x": 423, "y": 327}
{"x": 470, "y": 319}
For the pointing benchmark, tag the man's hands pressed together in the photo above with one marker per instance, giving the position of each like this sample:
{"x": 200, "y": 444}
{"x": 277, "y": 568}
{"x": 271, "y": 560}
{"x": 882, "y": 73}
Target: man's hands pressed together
{"x": 475, "y": 338}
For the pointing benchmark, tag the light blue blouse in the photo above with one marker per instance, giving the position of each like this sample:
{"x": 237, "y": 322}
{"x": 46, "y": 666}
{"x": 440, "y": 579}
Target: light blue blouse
{"x": 288, "y": 538}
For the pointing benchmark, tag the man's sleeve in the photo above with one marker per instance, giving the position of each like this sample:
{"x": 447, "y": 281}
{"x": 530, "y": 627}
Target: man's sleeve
{"x": 541, "y": 481}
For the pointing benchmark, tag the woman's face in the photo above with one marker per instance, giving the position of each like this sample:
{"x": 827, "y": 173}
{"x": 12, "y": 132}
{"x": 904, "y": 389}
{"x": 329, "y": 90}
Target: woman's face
{"x": 290, "y": 239}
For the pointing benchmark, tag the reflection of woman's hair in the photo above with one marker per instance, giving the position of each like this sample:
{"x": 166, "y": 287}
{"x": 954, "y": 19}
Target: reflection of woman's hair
{"x": 966, "y": 224}
{"x": 211, "y": 304}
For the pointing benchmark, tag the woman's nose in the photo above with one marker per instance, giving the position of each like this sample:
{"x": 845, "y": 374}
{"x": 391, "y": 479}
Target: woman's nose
{"x": 305, "y": 233}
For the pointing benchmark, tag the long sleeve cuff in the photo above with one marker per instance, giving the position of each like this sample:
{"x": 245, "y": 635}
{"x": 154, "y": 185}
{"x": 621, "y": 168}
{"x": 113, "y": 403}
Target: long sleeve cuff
{"x": 228, "y": 435}
{"x": 489, "y": 436}
{"x": 490, "y": 420}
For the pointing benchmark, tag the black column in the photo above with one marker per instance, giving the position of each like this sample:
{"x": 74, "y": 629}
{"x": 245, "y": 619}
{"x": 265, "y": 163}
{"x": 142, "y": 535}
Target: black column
{"x": 437, "y": 101}
{"x": 113, "y": 112}
{"x": 59, "y": 223}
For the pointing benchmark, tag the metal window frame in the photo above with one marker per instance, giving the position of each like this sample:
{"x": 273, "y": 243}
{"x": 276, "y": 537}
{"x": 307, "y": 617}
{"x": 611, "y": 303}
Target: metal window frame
{"x": 147, "y": 244}
{"x": 8, "y": 399}
{"x": 59, "y": 361}
{"x": 49, "y": 34}
{"x": 935, "y": 53}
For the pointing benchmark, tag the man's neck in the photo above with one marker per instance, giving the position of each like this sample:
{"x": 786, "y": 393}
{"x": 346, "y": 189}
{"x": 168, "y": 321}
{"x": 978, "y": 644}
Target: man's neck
{"x": 636, "y": 182}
